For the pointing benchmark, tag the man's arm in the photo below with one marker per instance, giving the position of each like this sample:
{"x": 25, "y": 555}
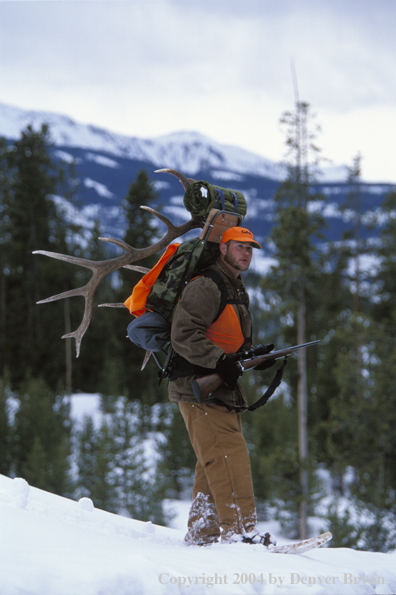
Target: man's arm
{"x": 194, "y": 313}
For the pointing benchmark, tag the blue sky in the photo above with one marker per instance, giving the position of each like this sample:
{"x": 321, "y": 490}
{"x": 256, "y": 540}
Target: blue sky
{"x": 220, "y": 67}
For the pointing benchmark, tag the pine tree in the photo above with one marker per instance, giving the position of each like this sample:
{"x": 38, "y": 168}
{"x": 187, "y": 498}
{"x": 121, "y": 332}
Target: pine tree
{"x": 5, "y": 430}
{"x": 5, "y": 246}
{"x": 85, "y": 454}
{"x": 384, "y": 305}
{"x": 141, "y": 229}
{"x": 99, "y": 369}
{"x": 42, "y": 438}
{"x": 178, "y": 459}
{"x": 104, "y": 494}
{"x": 129, "y": 455}
{"x": 355, "y": 401}
{"x": 141, "y": 232}
{"x": 296, "y": 226}
{"x": 32, "y": 222}
{"x": 113, "y": 466}
{"x": 95, "y": 459}
{"x": 383, "y": 314}
{"x": 353, "y": 204}
{"x": 141, "y": 485}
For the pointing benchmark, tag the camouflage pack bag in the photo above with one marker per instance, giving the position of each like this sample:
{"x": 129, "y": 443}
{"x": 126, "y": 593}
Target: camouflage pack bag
{"x": 190, "y": 258}
{"x": 151, "y": 328}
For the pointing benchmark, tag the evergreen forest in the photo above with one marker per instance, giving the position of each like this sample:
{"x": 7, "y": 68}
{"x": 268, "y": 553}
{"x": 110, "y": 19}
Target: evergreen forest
{"x": 138, "y": 455}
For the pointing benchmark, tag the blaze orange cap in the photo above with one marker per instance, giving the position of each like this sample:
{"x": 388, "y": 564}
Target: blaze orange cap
{"x": 239, "y": 234}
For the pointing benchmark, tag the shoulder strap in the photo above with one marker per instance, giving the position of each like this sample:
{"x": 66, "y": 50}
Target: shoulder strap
{"x": 225, "y": 299}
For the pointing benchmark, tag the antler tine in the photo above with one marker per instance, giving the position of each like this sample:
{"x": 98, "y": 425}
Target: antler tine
{"x": 101, "y": 268}
{"x": 185, "y": 181}
{"x": 133, "y": 267}
{"x": 179, "y": 230}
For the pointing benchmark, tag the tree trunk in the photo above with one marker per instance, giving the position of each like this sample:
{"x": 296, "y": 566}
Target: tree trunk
{"x": 302, "y": 416}
{"x": 68, "y": 350}
{"x": 2, "y": 322}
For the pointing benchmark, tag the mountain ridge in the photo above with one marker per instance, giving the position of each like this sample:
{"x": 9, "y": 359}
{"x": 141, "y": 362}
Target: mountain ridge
{"x": 189, "y": 151}
{"x": 106, "y": 163}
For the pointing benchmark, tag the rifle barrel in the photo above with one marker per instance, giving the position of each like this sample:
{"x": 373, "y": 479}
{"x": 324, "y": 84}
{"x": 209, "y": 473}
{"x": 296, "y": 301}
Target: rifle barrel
{"x": 305, "y": 344}
{"x": 205, "y": 386}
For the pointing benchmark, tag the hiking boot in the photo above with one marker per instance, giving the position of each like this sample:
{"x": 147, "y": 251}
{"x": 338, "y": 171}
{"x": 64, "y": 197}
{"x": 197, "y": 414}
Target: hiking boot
{"x": 190, "y": 540}
{"x": 203, "y": 524}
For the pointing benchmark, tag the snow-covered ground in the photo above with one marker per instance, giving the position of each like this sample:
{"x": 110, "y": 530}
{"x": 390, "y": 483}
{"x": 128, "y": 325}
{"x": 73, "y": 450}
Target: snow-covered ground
{"x": 54, "y": 546}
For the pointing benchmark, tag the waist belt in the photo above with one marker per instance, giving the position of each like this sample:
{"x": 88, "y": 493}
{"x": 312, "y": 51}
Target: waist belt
{"x": 180, "y": 367}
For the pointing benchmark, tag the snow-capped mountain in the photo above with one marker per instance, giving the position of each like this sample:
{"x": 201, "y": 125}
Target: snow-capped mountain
{"x": 107, "y": 163}
{"x": 188, "y": 151}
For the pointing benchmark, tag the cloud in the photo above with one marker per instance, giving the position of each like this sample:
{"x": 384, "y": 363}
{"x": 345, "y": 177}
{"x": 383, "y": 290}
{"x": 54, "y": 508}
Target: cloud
{"x": 344, "y": 52}
{"x": 222, "y": 67}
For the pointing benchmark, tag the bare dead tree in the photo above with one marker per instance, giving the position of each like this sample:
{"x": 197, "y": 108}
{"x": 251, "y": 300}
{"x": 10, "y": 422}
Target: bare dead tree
{"x": 102, "y": 268}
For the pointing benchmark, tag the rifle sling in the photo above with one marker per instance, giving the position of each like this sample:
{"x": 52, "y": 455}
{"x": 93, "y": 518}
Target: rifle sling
{"x": 262, "y": 401}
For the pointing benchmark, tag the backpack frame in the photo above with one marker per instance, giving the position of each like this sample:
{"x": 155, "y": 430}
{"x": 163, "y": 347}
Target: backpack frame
{"x": 142, "y": 330}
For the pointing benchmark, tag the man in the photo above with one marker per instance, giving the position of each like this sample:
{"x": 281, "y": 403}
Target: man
{"x": 223, "y": 505}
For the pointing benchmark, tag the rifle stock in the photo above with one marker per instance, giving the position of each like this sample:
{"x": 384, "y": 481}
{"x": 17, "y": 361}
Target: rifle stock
{"x": 205, "y": 386}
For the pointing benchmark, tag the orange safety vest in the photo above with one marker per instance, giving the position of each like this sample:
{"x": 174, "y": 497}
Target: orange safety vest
{"x": 226, "y": 331}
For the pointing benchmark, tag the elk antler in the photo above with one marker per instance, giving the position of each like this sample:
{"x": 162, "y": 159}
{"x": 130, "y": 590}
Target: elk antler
{"x": 185, "y": 181}
{"x": 101, "y": 268}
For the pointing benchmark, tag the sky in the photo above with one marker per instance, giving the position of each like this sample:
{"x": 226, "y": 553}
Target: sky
{"x": 226, "y": 68}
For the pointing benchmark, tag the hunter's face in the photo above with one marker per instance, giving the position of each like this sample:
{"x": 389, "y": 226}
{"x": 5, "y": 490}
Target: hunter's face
{"x": 238, "y": 255}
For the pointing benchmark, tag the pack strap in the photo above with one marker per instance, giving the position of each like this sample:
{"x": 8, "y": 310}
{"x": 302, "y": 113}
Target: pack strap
{"x": 235, "y": 201}
{"x": 220, "y": 192}
{"x": 224, "y": 299}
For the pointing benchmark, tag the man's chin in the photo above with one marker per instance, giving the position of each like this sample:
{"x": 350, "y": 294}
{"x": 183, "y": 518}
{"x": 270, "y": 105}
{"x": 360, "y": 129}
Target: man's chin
{"x": 244, "y": 267}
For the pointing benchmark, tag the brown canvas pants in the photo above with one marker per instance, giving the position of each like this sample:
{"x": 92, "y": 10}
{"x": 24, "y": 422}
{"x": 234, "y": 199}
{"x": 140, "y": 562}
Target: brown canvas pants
{"x": 223, "y": 499}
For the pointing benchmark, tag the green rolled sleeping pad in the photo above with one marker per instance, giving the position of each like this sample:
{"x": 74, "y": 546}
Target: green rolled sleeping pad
{"x": 201, "y": 197}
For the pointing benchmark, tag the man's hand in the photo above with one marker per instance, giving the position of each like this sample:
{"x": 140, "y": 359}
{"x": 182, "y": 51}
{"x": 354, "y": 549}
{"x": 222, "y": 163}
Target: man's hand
{"x": 268, "y": 364}
{"x": 229, "y": 370}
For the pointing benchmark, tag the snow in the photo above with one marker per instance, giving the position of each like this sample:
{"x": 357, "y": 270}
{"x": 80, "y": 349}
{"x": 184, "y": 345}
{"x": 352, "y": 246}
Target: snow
{"x": 67, "y": 157}
{"x": 99, "y": 188}
{"x": 83, "y": 217}
{"x": 262, "y": 264}
{"x": 187, "y": 151}
{"x": 86, "y": 405}
{"x": 55, "y": 546}
{"x": 101, "y": 160}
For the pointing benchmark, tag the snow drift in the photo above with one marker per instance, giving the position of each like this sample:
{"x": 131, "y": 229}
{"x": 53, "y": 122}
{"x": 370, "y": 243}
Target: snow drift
{"x": 55, "y": 546}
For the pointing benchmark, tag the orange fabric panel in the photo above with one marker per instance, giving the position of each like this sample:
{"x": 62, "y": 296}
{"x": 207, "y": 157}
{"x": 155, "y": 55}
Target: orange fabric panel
{"x": 226, "y": 332}
{"x": 136, "y": 303}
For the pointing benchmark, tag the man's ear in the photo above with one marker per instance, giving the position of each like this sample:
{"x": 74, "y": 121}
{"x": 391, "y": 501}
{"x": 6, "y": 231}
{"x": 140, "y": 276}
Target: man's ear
{"x": 223, "y": 249}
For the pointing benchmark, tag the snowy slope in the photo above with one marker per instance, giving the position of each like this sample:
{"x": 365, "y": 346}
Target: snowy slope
{"x": 54, "y": 546}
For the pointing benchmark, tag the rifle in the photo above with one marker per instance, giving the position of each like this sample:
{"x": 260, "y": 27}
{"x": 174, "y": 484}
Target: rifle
{"x": 205, "y": 386}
